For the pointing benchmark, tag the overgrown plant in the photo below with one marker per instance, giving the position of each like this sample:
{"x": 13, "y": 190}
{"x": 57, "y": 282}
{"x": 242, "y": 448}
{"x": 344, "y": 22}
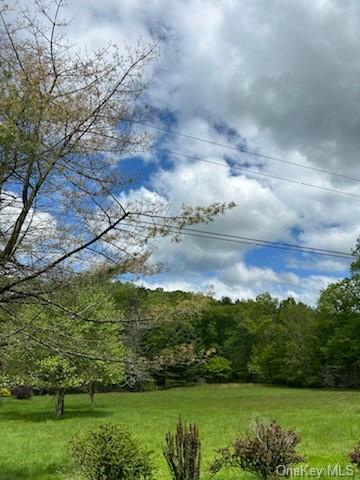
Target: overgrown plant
{"x": 261, "y": 451}
{"x": 109, "y": 452}
{"x": 355, "y": 455}
{"x": 182, "y": 452}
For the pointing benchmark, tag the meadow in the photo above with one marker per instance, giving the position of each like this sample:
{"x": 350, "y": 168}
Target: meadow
{"x": 34, "y": 446}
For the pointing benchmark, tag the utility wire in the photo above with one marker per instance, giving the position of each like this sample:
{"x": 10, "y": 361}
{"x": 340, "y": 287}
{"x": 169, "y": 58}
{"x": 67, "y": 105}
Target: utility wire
{"x": 241, "y": 240}
{"x": 293, "y": 245}
{"x": 254, "y": 172}
{"x": 248, "y": 152}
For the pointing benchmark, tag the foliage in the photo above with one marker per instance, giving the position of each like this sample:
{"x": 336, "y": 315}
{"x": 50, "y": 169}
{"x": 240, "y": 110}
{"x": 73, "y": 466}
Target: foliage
{"x": 182, "y": 452}
{"x": 355, "y": 455}
{"x": 5, "y": 392}
{"x": 218, "y": 369}
{"x": 108, "y": 452}
{"x": 56, "y": 373}
{"x": 264, "y": 340}
{"x": 161, "y": 334}
{"x": 176, "y": 366}
{"x": 339, "y": 333}
{"x": 261, "y": 451}
{"x": 286, "y": 352}
{"x": 91, "y": 347}
{"x": 22, "y": 392}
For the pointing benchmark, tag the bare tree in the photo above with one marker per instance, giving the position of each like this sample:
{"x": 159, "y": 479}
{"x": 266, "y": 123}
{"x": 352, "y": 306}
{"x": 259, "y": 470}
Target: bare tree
{"x": 66, "y": 118}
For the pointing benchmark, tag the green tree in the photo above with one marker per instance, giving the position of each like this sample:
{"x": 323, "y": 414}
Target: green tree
{"x": 287, "y": 352}
{"x": 89, "y": 351}
{"x": 339, "y": 332}
{"x": 57, "y": 374}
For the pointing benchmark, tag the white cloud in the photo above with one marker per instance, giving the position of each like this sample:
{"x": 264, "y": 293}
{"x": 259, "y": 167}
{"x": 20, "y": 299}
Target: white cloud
{"x": 258, "y": 214}
{"x": 256, "y": 281}
{"x": 284, "y": 76}
{"x": 283, "y": 73}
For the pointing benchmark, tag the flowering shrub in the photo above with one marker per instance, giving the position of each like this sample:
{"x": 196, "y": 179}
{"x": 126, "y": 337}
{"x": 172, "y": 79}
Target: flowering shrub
{"x": 261, "y": 451}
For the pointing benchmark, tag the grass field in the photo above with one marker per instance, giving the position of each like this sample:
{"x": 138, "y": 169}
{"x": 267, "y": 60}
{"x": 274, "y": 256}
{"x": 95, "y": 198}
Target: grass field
{"x": 33, "y": 445}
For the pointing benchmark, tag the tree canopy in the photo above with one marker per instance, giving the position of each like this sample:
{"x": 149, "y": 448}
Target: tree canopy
{"x": 67, "y": 117}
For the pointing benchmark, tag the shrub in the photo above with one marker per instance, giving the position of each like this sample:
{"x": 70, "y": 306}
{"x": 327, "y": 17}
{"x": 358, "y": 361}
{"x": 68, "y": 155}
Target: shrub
{"x": 109, "y": 452}
{"x": 218, "y": 369}
{"x": 261, "y": 451}
{"x": 182, "y": 452}
{"x": 22, "y": 392}
{"x": 355, "y": 455}
{"x": 5, "y": 392}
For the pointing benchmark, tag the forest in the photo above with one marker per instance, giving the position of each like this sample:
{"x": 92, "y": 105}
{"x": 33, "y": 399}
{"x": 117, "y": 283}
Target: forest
{"x": 259, "y": 340}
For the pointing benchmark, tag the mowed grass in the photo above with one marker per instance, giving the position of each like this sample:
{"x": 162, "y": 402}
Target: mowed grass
{"x": 34, "y": 446}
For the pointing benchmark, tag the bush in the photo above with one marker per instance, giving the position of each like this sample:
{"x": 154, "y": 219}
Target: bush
{"x": 22, "y": 392}
{"x": 5, "y": 392}
{"x": 355, "y": 455}
{"x": 218, "y": 369}
{"x": 261, "y": 451}
{"x": 108, "y": 452}
{"x": 182, "y": 452}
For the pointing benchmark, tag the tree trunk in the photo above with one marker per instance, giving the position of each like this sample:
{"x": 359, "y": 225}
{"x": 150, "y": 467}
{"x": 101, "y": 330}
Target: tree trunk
{"x": 92, "y": 391}
{"x": 59, "y": 403}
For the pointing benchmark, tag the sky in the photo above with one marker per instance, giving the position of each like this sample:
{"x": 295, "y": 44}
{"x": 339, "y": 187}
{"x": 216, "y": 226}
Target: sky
{"x": 280, "y": 78}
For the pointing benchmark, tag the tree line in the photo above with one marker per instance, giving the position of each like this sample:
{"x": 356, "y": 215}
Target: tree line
{"x": 259, "y": 340}
{"x": 121, "y": 336}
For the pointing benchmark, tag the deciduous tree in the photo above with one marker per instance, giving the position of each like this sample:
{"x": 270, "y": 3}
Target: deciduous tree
{"x": 57, "y": 352}
{"x": 66, "y": 119}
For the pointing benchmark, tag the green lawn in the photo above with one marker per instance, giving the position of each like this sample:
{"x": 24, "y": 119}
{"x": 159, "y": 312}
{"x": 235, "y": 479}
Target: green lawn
{"x": 33, "y": 445}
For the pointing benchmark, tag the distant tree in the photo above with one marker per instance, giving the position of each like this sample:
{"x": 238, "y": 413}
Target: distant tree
{"x": 170, "y": 343}
{"x": 226, "y": 300}
{"x": 338, "y": 329}
{"x": 339, "y": 332}
{"x": 287, "y": 351}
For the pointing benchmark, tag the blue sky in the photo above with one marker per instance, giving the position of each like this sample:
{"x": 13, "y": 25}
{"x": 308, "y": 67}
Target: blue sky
{"x": 279, "y": 78}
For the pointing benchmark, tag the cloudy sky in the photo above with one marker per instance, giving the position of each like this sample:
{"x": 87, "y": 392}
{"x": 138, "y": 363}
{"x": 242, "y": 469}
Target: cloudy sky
{"x": 281, "y": 78}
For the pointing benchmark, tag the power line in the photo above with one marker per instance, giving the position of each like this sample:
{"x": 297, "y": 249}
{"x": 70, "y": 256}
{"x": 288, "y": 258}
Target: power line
{"x": 291, "y": 245}
{"x": 248, "y": 152}
{"x": 259, "y": 244}
{"x": 192, "y": 232}
{"x": 242, "y": 239}
{"x": 254, "y": 172}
